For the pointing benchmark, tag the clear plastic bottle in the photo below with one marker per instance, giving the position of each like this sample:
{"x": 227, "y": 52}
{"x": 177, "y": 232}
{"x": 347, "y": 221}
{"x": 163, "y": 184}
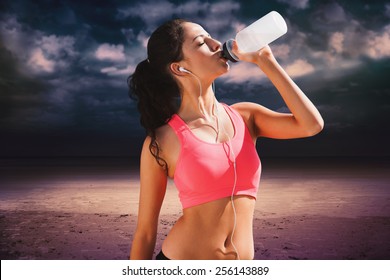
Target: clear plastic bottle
{"x": 257, "y": 35}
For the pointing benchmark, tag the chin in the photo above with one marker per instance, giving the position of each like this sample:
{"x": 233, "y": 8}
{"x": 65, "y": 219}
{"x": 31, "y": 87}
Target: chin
{"x": 221, "y": 70}
{"x": 226, "y": 69}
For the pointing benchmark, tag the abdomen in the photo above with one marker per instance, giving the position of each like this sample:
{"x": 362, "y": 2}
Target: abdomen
{"x": 205, "y": 231}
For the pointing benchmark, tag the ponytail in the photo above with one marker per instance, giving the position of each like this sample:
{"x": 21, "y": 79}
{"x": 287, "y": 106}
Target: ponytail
{"x": 152, "y": 85}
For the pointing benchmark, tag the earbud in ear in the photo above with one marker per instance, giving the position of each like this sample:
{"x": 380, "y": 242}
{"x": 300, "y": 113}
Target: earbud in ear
{"x": 182, "y": 69}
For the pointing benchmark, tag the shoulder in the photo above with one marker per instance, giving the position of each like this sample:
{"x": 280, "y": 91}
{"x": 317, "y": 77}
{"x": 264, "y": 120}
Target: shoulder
{"x": 165, "y": 134}
{"x": 257, "y": 117}
{"x": 247, "y": 108}
{"x": 168, "y": 145}
{"x": 247, "y": 111}
{"x": 156, "y": 152}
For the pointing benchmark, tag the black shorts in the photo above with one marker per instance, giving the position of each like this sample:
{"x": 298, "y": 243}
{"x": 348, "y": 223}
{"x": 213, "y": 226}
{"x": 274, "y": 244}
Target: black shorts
{"x": 161, "y": 256}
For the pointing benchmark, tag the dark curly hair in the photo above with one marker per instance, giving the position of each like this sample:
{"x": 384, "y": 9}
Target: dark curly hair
{"x": 152, "y": 85}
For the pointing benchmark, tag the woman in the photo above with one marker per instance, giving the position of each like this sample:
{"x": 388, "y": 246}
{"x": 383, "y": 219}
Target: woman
{"x": 208, "y": 148}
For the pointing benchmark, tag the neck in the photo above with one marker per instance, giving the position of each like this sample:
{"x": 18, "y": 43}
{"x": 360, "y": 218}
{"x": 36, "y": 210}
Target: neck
{"x": 198, "y": 102}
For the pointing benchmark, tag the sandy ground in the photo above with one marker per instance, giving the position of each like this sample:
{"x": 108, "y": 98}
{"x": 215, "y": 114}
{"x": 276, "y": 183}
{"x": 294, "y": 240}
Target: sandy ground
{"x": 306, "y": 209}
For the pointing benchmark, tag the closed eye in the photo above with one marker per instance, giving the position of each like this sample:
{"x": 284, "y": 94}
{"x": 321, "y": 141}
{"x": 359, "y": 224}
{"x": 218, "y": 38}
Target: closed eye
{"x": 203, "y": 36}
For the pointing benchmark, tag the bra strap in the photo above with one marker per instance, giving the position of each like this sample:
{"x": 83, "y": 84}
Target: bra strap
{"x": 178, "y": 125}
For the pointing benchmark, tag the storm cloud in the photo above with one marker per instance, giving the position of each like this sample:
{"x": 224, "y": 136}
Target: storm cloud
{"x": 64, "y": 66}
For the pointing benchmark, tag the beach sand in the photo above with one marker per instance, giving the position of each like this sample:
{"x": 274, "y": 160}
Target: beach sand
{"x": 87, "y": 209}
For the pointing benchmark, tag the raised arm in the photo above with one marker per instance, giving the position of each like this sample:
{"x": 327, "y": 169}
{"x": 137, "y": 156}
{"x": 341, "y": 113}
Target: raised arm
{"x": 304, "y": 119}
{"x": 153, "y": 181}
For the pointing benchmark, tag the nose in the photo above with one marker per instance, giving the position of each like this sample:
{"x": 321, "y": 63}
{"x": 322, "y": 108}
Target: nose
{"x": 215, "y": 45}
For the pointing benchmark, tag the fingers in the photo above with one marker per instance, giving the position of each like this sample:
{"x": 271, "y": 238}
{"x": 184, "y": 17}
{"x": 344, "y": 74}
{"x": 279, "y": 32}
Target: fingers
{"x": 235, "y": 48}
{"x": 252, "y": 57}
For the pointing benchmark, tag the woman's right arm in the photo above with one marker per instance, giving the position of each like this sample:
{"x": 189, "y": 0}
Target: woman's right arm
{"x": 153, "y": 180}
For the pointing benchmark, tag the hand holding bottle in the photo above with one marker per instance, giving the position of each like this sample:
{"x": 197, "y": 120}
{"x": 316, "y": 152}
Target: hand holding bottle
{"x": 256, "y": 57}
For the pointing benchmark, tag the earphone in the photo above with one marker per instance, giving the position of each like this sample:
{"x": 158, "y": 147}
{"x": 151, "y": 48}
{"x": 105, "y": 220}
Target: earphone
{"x": 231, "y": 155}
{"x": 182, "y": 69}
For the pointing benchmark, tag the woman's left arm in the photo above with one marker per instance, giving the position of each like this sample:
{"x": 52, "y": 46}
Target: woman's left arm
{"x": 304, "y": 119}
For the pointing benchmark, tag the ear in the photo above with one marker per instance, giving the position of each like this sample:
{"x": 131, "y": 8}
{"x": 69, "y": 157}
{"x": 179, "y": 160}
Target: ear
{"x": 174, "y": 67}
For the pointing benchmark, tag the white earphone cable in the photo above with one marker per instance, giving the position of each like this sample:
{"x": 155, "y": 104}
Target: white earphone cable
{"x": 231, "y": 155}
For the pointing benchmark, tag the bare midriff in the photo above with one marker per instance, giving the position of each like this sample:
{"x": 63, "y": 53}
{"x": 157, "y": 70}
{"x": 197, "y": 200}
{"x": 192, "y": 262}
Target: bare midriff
{"x": 204, "y": 231}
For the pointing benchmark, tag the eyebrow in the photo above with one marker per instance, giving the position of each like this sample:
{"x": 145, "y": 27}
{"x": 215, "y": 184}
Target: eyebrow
{"x": 201, "y": 35}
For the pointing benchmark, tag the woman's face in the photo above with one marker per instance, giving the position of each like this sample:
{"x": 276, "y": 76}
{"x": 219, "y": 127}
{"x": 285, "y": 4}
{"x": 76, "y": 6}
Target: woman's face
{"x": 202, "y": 54}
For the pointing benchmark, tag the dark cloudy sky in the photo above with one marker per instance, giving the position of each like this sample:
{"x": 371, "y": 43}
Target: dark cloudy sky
{"x": 64, "y": 65}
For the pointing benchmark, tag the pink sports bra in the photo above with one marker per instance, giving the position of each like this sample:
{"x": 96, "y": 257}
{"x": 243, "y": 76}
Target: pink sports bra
{"x": 205, "y": 172}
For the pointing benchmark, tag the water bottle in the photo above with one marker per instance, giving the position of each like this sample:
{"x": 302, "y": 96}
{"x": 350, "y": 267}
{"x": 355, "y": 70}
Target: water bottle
{"x": 257, "y": 35}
